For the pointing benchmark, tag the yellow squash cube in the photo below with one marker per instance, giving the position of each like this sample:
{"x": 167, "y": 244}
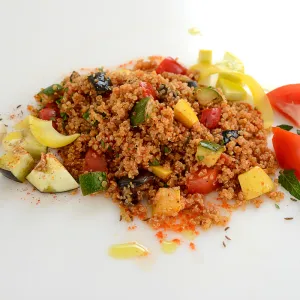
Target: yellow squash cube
{"x": 255, "y": 183}
{"x": 185, "y": 114}
{"x": 161, "y": 172}
{"x": 167, "y": 202}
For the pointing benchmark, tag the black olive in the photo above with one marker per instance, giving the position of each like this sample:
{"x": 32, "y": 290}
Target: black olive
{"x": 229, "y": 134}
{"x": 101, "y": 83}
{"x": 142, "y": 178}
{"x": 192, "y": 84}
{"x": 74, "y": 75}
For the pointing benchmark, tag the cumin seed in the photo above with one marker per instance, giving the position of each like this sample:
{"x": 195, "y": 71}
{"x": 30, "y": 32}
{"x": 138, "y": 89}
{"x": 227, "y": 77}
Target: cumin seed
{"x": 121, "y": 218}
{"x": 224, "y": 244}
{"x": 19, "y": 106}
{"x": 226, "y": 228}
{"x": 228, "y": 238}
{"x": 289, "y": 218}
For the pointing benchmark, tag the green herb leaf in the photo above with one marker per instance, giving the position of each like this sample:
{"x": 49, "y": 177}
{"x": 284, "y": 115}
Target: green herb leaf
{"x": 64, "y": 116}
{"x": 50, "y": 90}
{"x": 167, "y": 150}
{"x": 154, "y": 162}
{"x": 200, "y": 157}
{"x": 58, "y": 101}
{"x": 298, "y": 131}
{"x": 86, "y": 115}
{"x": 102, "y": 144}
{"x": 289, "y": 181}
{"x": 277, "y": 206}
{"x": 210, "y": 145}
{"x": 285, "y": 127}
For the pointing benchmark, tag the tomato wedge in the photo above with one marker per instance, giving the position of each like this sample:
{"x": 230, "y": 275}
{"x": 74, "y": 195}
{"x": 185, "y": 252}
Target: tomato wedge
{"x": 287, "y": 149}
{"x": 210, "y": 117}
{"x": 47, "y": 114}
{"x": 94, "y": 162}
{"x": 203, "y": 184}
{"x": 286, "y": 100}
{"x": 170, "y": 65}
{"x": 148, "y": 89}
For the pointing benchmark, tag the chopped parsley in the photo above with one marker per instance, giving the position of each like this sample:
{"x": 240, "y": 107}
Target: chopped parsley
{"x": 64, "y": 116}
{"x": 102, "y": 144}
{"x": 154, "y": 162}
{"x": 86, "y": 115}
{"x": 277, "y": 206}
{"x": 167, "y": 150}
{"x": 210, "y": 145}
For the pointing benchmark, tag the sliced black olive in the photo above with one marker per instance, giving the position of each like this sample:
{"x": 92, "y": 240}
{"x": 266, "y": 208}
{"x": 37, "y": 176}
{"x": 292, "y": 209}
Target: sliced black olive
{"x": 74, "y": 75}
{"x": 228, "y": 135}
{"x": 139, "y": 180}
{"x": 192, "y": 84}
{"x": 101, "y": 83}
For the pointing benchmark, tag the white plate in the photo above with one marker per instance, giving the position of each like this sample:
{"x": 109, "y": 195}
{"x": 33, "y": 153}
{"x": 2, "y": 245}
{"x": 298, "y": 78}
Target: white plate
{"x": 58, "y": 249}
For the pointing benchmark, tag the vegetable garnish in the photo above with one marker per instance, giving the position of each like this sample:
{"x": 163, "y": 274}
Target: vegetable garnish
{"x": 277, "y": 206}
{"x": 210, "y": 145}
{"x": 285, "y": 127}
{"x": 293, "y": 199}
{"x": 289, "y": 181}
{"x": 298, "y": 131}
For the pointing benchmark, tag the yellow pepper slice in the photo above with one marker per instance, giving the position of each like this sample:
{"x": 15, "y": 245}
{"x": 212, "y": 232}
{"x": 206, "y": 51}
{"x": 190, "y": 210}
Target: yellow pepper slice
{"x": 161, "y": 172}
{"x": 185, "y": 114}
{"x": 128, "y": 250}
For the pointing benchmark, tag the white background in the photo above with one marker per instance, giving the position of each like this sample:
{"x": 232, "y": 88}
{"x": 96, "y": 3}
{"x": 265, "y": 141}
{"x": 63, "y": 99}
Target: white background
{"x": 58, "y": 249}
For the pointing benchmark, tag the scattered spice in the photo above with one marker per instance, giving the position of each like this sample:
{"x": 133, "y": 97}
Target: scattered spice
{"x": 227, "y": 237}
{"x": 176, "y": 241}
{"x": 293, "y": 199}
{"x": 19, "y": 106}
{"x": 192, "y": 246}
{"x": 133, "y": 227}
{"x": 147, "y": 219}
{"x": 226, "y": 228}
{"x": 224, "y": 244}
{"x": 121, "y": 217}
{"x": 289, "y": 218}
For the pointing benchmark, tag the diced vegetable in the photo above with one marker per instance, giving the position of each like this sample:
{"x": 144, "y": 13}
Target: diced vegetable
{"x": 232, "y": 91}
{"x": 203, "y": 181}
{"x": 161, "y": 172}
{"x": 185, "y": 114}
{"x": 209, "y": 153}
{"x": 205, "y": 56}
{"x": 285, "y": 127}
{"x": 167, "y": 202}
{"x": 287, "y": 149}
{"x": 31, "y": 145}
{"x": 148, "y": 90}
{"x": 255, "y": 183}
{"x": 141, "y": 111}
{"x": 211, "y": 117}
{"x": 207, "y": 95}
{"x": 192, "y": 83}
{"x": 139, "y": 180}
{"x": 94, "y": 162}
{"x": 228, "y": 135}
{"x": 2, "y": 131}
{"x": 101, "y": 82}
{"x": 286, "y": 100}
{"x": 50, "y": 176}
{"x": 47, "y": 135}
{"x": 170, "y": 65}
{"x": 16, "y": 164}
{"x": 91, "y": 183}
{"x": 50, "y": 90}
{"x": 47, "y": 114}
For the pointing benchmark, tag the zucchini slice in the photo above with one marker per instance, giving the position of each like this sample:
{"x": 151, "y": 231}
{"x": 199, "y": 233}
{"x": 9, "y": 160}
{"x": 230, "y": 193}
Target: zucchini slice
{"x": 141, "y": 111}
{"x": 93, "y": 182}
{"x": 50, "y": 176}
{"x": 16, "y": 165}
{"x": 207, "y": 95}
{"x": 209, "y": 153}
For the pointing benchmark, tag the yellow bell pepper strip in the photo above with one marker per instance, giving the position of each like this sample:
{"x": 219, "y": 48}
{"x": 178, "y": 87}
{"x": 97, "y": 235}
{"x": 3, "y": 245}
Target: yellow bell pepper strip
{"x": 161, "y": 172}
{"x": 232, "y": 91}
{"x": 185, "y": 114}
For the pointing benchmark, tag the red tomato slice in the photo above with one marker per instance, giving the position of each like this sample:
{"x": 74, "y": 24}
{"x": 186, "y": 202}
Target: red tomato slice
{"x": 94, "y": 162}
{"x": 203, "y": 184}
{"x": 170, "y": 65}
{"x": 210, "y": 117}
{"x": 47, "y": 114}
{"x": 286, "y": 100}
{"x": 148, "y": 89}
{"x": 287, "y": 149}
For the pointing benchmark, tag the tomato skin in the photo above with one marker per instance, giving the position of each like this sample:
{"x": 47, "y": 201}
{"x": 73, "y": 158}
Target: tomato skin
{"x": 203, "y": 184}
{"x": 287, "y": 149}
{"x": 210, "y": 117}
{"x": 170, "y": 65}
{"x": 94, "y": 162}
{"x": 47, "y": 114}
{"x": 286, "y": 100}
{"x": 148, "y": 89}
